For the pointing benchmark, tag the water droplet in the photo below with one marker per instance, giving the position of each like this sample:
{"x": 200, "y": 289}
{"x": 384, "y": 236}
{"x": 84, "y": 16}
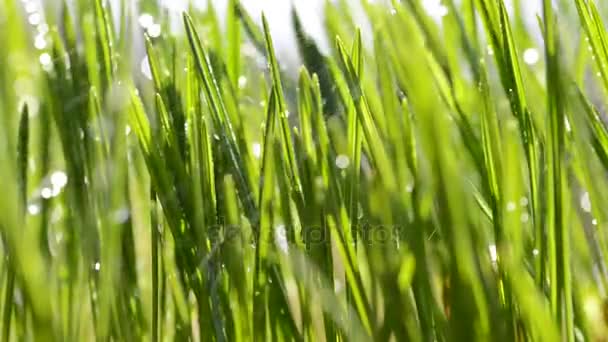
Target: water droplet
{"x": 43, "y": 28}
{"x": 31, "y": 7}
{"x": 511, "y": 206}
{"x": 59, "y": 179}
{"x": 523, "y": 201}
{"x": 585, "y": 202}
{"x": 342, "y": 161}
{"x": 154, "y": 30}
{"x": 567, "y": 125}
{"x": 434, "y": 8}
{"x": 121, "y": 216}
{"x": 280, "y": 237}
{"x": 531, "y": 56}
{"x": 127, "y": 130}
{"x": 145, "y": 68}
{"x": 34, "y": 19}
{"x": 45, "y": 59}
{"x": 525, "y": 217}
{"x": 393, "y": 11}
{"x": 146, "y": 20}
{"x": 40, "y": 42}
{"x": 535, "y": 252}
{"x": 46, "y": 193}
{"x": 33, "y": 209}
{"x": 490, "y": 50}
{"x": 256, "y": 150}
{"x": 242, "y": 81}
{"x": 493, "y": 253}
{"x": 594, "y": 222}
{"x": 97, "y": 266}
{"x": 409, "y": 188}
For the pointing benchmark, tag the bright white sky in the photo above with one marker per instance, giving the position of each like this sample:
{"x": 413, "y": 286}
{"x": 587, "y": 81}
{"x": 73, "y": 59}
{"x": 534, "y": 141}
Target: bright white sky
{"x": 311, "y": 13}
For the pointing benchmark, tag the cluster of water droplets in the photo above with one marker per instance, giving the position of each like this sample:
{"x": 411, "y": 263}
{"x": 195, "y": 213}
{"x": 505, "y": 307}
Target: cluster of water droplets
{"x": 35, "y": 17}
{"x": 280, "y": 238}
{"x": 52, "y": 186}
{"x": 435, "y": 8}
{"x": 154, "y": 30}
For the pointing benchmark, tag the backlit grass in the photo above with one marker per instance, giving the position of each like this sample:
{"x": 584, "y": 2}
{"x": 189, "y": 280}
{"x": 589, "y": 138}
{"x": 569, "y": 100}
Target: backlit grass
{"x": 425, "y": 180}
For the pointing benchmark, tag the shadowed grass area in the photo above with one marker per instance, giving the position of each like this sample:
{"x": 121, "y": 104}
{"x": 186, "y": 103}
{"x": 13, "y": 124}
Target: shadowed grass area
{"x": 435, "y": 181}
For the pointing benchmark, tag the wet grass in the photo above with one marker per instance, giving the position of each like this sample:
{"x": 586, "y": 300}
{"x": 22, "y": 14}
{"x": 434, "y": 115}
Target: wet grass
{"x": 426, "y": 180}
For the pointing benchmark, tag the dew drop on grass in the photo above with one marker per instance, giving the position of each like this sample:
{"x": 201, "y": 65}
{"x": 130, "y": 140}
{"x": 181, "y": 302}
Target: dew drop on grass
{"x": 523, "y": 201}
{"x": 154, "y": 30}
{"x": 535, "y": 252}
{"x": 409, "y": 188}
{"x": 242, "y": 81}
{"x": 594, "y": 222}
{"x": 145, "y": 68}
{"x": 493, "y": 252}
{"x": 145, "y": 20}
{"x": 525, "y": 217}
{"x": 45, "y": 59}
{"x": 338, "y": 286}
{"x": 40, "y": 42}
{"x": 531, "y": 56}
{"x": 59, "y": 179}
{"x": 280, "y": 237}
{"x": 43, "y": 28}
{"x": 585, "y": 202}
{"x": 121, "y": 216}
{"x": 33, "y": 209}
{"x": 31, "y": 7}
{"x": 34, "y": 19}
{"x": 256, "y": 149}
{"x": 511, "y": 206}
{"x": 97, "y": 266}
{"x": 592, "y": 308}
{"x": 342, "y": 161}
{"x": 434, "y": 8}
{"x": 46, "y": 193}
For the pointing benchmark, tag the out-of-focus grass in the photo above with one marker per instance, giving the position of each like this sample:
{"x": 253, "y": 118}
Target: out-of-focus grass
{"x": 442, "y": 181}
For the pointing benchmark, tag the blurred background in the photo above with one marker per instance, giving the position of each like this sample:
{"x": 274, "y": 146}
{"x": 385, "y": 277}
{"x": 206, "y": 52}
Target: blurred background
{"x": 278, "y": 14}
